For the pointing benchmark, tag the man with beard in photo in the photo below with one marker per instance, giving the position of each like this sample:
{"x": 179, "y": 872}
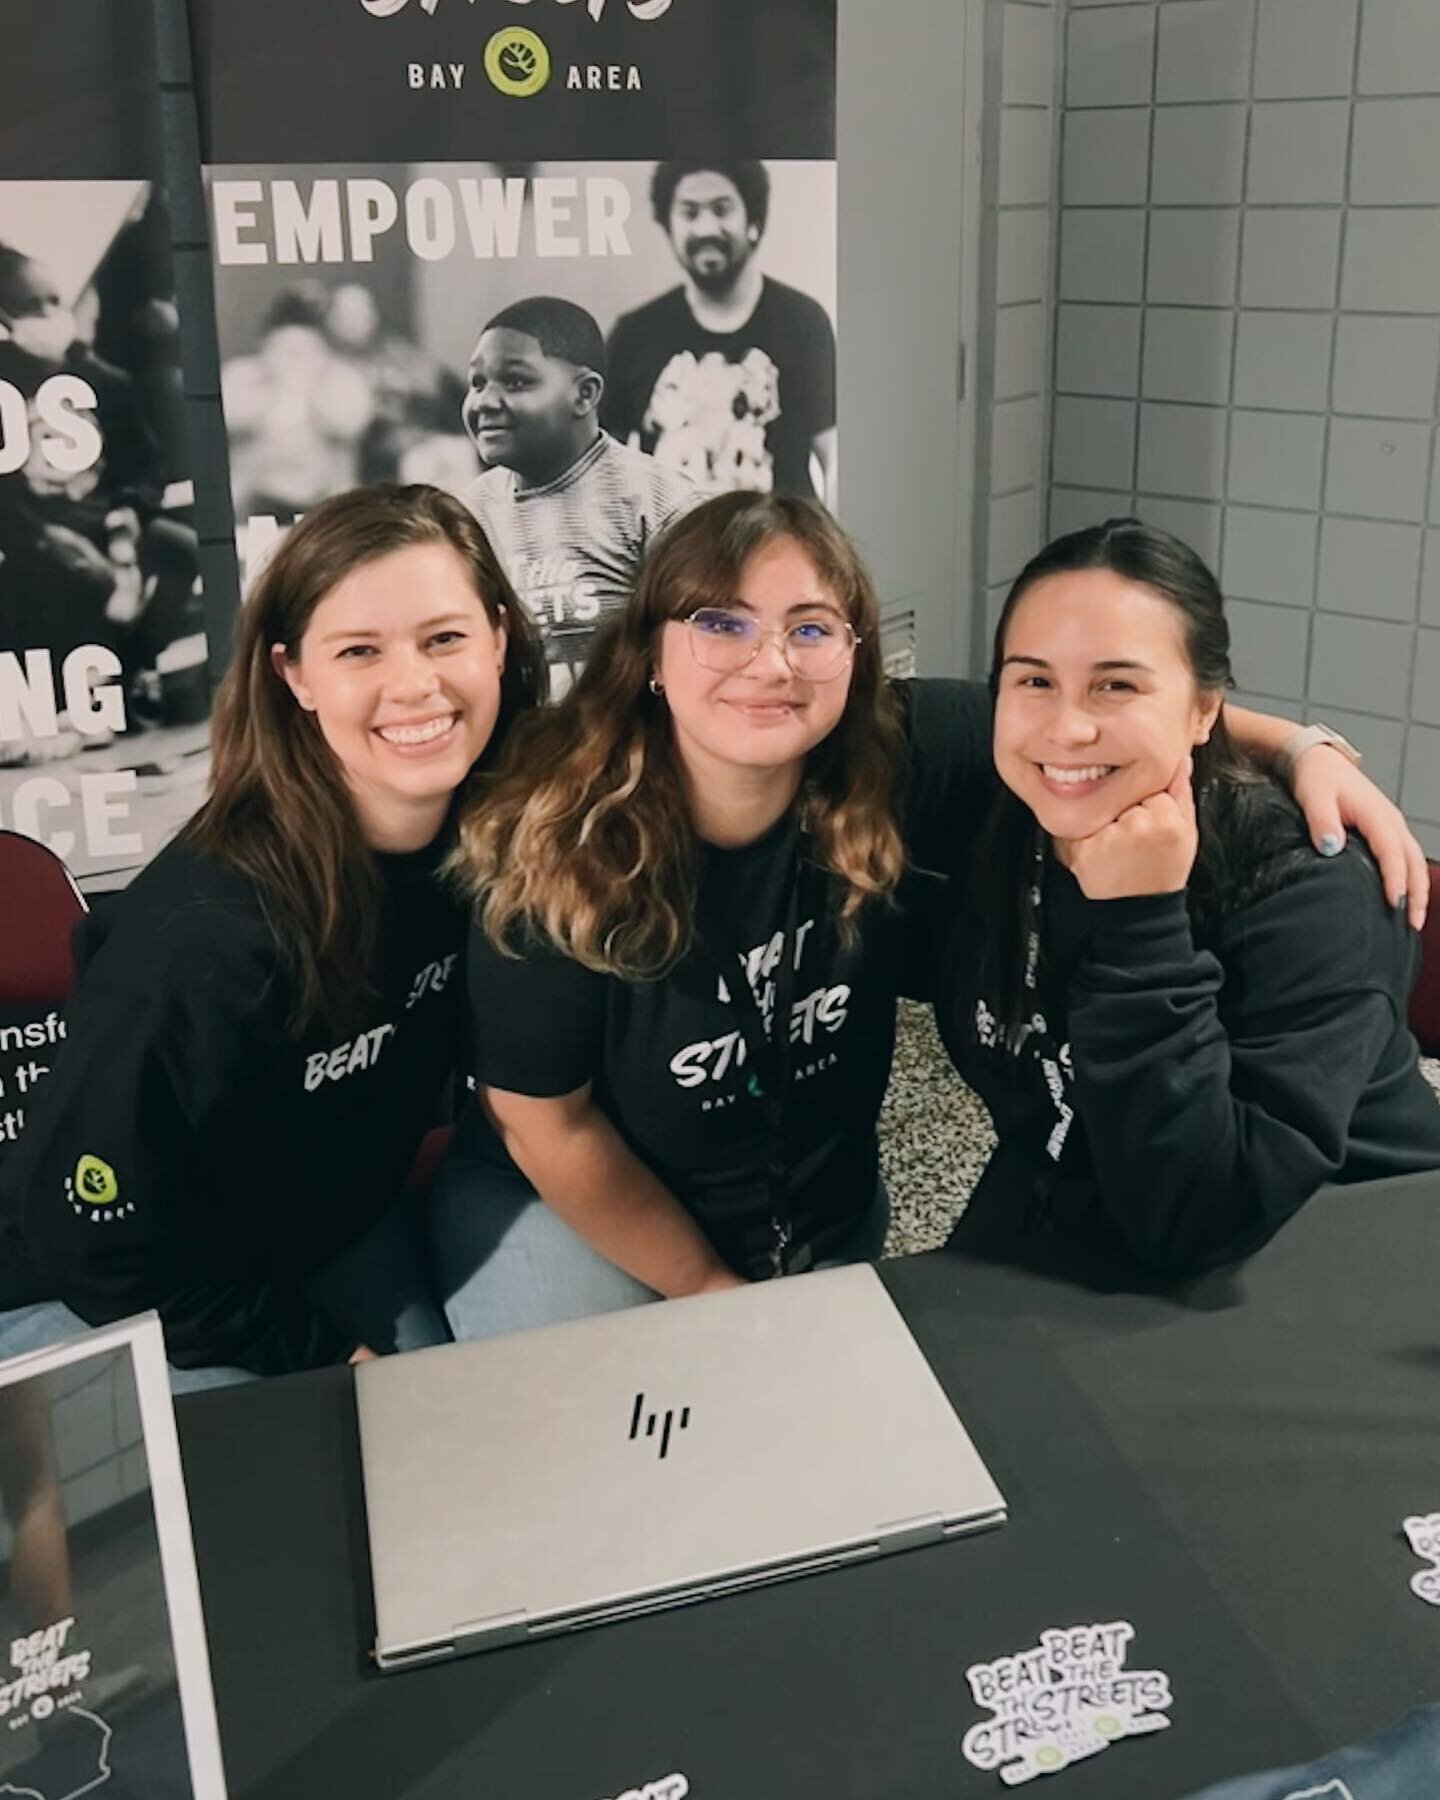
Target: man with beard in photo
{"x": 729, "y": 377}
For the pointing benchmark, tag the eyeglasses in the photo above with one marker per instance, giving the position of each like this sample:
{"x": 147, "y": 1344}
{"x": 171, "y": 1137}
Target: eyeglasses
{"x": 815, "y": 649}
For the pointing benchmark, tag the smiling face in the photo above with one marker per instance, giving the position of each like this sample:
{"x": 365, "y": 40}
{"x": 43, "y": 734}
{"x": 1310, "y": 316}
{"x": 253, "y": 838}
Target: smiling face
{"x": 401, "y": 667}
{"x": 527, "y": 411}
{"x": 709, "y": 230}
{"x": 762, "y": 717}
{"x": 1097, "y": 705}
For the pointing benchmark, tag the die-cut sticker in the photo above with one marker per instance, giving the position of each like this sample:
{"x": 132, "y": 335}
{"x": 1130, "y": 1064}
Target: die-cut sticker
{"x": 1068, "y": 1698}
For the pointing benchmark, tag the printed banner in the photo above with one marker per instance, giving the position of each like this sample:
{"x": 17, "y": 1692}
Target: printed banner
{"x": 104, "y": 694}
{"x": 106, "y": 1683}
{"x": 574, "y": 262}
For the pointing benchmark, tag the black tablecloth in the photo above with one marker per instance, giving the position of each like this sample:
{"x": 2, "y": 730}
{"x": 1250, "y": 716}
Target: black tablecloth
{"x": 1227, "y": 1470}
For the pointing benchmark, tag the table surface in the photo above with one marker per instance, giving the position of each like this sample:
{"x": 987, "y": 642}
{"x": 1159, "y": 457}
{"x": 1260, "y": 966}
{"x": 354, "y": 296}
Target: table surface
{"x": 1227, "y": 1470}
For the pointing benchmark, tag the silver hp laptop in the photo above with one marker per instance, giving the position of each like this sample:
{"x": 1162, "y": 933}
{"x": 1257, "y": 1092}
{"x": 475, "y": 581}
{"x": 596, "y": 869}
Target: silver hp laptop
{"x": 548, "y": 1480}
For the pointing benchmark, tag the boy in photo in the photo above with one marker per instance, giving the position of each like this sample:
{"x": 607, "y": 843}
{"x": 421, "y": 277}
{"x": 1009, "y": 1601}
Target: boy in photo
{"x": 568, "y": 510}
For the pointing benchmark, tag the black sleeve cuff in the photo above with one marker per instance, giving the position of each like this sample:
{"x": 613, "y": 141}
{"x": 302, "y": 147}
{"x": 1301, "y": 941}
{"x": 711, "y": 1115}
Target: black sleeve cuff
{"x": 1141, "y": 928}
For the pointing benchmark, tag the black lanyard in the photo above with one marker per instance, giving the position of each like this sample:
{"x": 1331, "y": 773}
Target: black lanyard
{"x": 769, "y": 1055}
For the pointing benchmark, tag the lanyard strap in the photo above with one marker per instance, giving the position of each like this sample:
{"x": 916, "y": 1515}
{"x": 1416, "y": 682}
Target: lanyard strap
{"x": 768, "y": 1053}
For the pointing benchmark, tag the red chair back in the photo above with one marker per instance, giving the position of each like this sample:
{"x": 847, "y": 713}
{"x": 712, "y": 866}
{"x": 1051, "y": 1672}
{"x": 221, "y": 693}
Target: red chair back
{"x": 427, "y": 1160}
{"x": 39, "y": 907}
{"x": 1425, "y": 1001}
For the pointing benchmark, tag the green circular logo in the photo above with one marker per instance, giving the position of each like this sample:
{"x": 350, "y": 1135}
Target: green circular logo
{"x": 517, "y": 62}
{"x": 95, "y": 1181}
{"x": 1048, "y": 1757}
{"x": 1108, "y": 1726}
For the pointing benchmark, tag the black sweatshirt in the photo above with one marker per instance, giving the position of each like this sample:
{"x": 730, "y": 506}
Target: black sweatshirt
{"x": 188, "y": 1153}
{"x": 1182, "y": 1102}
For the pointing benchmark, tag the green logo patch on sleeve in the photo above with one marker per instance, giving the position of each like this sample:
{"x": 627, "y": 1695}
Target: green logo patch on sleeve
{"x": 95, "y": 1181}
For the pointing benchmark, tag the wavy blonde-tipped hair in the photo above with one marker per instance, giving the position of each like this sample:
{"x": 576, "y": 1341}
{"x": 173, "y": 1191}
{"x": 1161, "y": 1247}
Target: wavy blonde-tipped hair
{"x": 584, "y": 834}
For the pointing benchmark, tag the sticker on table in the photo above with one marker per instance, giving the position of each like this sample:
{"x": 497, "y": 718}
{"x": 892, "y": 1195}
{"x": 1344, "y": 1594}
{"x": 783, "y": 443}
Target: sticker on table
{"x": 1069, "y": 1697}
{"x": 669, "y": 1787}
{"x": 1423, "y": 1531}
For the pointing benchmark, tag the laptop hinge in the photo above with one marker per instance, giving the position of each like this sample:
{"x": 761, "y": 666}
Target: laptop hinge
{"x": 496, "y": 1629}
{"x": 910, "y": 1534}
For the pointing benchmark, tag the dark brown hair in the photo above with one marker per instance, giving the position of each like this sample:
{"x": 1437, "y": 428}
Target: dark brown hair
{"x": 1247, "y": 825}
{"x": 278, "y": 808}
{"x": 585, "y": 832}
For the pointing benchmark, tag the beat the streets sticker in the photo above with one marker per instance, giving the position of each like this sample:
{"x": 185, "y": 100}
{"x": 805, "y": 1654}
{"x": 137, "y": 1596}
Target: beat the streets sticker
{"x": 1069, "y": 1697}
{"x": 1423, "y": 1533}
{"x": 669, "y": 1787}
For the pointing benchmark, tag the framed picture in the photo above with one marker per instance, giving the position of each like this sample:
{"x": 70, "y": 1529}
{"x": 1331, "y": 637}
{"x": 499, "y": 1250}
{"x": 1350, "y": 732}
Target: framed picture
{"x": 105, "y": 1687}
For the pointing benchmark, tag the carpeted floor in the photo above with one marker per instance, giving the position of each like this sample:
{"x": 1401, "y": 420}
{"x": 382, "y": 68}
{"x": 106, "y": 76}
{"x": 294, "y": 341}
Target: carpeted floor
{"x": 936, "y": 1136}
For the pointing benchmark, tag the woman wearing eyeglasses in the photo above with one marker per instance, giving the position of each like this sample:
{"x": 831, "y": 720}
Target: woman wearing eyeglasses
{"x": 710, "y": 834}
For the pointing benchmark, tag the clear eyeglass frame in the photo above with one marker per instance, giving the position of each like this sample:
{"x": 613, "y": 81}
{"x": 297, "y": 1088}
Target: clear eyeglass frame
{"x": 732, "y": 652}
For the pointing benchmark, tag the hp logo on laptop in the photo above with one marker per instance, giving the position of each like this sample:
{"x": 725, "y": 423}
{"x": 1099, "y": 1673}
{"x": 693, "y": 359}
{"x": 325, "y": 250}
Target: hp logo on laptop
{"x": 665, "y": 1420}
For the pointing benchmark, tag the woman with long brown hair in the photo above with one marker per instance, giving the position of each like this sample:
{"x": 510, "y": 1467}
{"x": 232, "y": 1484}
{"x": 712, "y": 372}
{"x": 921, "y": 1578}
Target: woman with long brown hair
{"x": 690, "y": 880}
{"x": 265, "y": 1021}
{"x": 1181, "y": 1021}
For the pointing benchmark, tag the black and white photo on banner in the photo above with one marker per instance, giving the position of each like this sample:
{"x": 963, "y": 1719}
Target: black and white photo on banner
{"x": 580, "y": 350}
{"x": 104, "y": 692}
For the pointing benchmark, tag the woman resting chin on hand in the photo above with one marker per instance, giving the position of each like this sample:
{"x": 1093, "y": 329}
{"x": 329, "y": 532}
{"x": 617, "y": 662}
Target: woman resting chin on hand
{"x": 1149, "y": 849}
{"x": 1183, "y": 1022}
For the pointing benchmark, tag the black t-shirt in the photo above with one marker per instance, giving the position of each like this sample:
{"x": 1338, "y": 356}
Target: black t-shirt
{"x": 188, "y": 1153}
{"x": 729, "y": 409}
{"x": 1173, "y": 1097}
{"x": 668, "y": 1058}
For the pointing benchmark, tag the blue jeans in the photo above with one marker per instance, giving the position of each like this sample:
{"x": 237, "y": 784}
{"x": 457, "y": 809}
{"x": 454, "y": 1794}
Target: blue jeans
{"x": 504, "y": 1261}
{"x": 1403, "y": 1763}
{"x": 378, "y": 1287}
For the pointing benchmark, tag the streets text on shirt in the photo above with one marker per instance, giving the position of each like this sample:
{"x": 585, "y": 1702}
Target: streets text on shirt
{"x": 816, "y": 1015}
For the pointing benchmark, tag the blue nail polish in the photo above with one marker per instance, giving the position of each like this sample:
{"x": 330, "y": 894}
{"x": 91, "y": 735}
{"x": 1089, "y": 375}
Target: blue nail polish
{"x": 1330, "y": 846}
